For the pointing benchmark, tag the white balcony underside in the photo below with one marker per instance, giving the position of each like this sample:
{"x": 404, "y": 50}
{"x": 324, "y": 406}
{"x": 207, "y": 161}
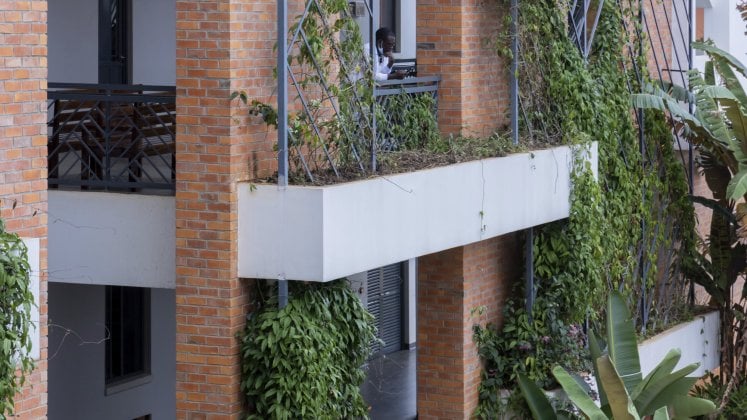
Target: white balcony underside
{"x": 324, "y": 233}
{"x": 112, "y": 239}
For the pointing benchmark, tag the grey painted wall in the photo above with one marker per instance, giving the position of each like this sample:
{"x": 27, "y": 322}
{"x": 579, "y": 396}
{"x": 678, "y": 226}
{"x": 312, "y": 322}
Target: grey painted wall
{"x": 72, "y": 29}
{"x": 73, "y": 41}
{"x": 76, "y": 371}
{"x": 154, "y": 42}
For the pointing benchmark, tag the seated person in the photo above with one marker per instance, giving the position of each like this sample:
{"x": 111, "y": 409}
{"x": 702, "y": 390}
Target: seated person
{"x": 383, "y": 60}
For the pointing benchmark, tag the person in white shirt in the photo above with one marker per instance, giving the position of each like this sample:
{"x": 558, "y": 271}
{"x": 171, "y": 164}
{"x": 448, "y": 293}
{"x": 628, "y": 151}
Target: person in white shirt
{"x": 383, "y": 61}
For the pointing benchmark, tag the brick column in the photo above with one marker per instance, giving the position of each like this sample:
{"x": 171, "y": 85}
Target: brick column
{"x": 455, "y": 41}
{"x": 450, "y": 285}
{"x": 23, "y": 159}
{"x": 222, "y": 45}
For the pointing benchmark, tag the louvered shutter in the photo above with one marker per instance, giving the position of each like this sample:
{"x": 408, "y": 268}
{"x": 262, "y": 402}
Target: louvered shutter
{"x": 385, "y": 304}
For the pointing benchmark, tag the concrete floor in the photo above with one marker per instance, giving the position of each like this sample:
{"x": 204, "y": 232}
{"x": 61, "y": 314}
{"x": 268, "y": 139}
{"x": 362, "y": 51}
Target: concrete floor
{"x": 390, "y": 388}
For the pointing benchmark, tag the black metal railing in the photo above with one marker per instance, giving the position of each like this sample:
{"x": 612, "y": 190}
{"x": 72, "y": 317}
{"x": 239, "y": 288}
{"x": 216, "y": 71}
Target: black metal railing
{"x": 111, "y": 137}
{"x": 396, "y": 98}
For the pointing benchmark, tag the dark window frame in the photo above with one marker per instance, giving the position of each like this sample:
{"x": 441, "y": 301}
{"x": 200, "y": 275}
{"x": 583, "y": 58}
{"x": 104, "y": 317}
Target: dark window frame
{"x": 127, "y": 309}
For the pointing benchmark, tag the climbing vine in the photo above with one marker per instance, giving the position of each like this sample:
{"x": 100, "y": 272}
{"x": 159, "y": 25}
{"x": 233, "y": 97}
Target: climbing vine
{"x": 306, "y": 360}
{"x": 620, "y": 223}
{"x": 16, "y": 301}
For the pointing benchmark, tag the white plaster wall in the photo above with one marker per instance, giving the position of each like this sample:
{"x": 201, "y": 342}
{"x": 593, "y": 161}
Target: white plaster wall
{"x": 112, "y": 239}
{"x": 154, "y": 42}
{"x": 698, "y": 340}
{"x": 76, "y": 369}
{"x": 72, "y": 30}
{"x": 407, "y": 29}
{"x": 32, "y": 245}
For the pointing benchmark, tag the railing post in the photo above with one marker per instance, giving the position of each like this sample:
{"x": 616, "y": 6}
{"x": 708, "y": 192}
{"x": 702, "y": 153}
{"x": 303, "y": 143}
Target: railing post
{"x": 513, "y": 78}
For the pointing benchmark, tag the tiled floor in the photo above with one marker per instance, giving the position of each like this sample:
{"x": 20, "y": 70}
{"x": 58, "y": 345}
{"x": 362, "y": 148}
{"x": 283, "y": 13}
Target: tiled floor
{"x": 390, "y": 388}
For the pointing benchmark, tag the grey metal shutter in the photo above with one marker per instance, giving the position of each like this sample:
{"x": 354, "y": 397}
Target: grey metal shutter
{"x": 385, "y": 304}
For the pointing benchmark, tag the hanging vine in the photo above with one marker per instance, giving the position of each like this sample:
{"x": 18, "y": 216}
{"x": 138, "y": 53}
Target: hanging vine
{"x": 620, "y": 223}
{"x": 16, "y": 301}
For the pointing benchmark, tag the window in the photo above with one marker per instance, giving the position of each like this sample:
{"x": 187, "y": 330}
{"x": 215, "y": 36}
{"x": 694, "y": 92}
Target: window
{"x": 389, "y": 17}
{"x": 128, "y": 323}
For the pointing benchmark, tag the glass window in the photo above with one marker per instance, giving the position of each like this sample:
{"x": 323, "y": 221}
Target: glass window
{"x": 128, "y": 324}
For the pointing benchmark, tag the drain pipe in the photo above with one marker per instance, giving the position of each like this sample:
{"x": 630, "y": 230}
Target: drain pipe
{"x": 282, "y": 69}
{"x": 514, "y": 88}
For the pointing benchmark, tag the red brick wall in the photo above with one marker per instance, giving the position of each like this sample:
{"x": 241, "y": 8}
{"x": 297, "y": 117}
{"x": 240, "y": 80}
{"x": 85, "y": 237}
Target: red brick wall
{"x": 23, "y": 152}
{"x": 659, "y": 44}
{"x": 222, "y": 46}
{"x": 454, "y": 41}
{"x": 450, "y": 285}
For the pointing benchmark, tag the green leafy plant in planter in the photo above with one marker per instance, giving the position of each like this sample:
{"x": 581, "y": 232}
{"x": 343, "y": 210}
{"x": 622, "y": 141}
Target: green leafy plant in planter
{"x": 624, "y": 393}
{"x": 306, "y": 360}
{"x": 620, "y": 220}
{"x": 525, "y": 348}
{"x": 16, "y": 301}
{"x": 713, "y": 389}
{"x": 718, "y": 129}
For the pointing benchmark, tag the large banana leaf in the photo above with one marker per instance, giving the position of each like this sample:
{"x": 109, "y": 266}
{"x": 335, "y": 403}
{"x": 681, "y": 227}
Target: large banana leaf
{"x": 730, "y": 80}
{"x": 685, "y": 407}
{"x": 661, "y": 414}
{"x": 596, "y": 352}
{"x": 661, "y": 393}
{"x": 621, "y": 342}
{"x": 621, "y": 405}
{"x": 538, "y": 402}
{"x": 738, "y": 185}
{"x": 714, "y": 51}
{"x": 664, "y": 368}
{"x": 577, "y": 395}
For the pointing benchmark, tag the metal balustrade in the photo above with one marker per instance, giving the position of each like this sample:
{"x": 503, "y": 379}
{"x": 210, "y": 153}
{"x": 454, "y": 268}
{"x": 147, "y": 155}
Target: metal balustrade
{"x": 111, "y": 137}
{"x": 395, "y": 98}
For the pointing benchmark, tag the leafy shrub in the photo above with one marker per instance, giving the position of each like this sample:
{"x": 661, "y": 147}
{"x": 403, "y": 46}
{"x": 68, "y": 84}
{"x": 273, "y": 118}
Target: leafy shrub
{"x": 305, "y": 361}
{"x": 16, "y": 300}
{"x": 714, "y": 390}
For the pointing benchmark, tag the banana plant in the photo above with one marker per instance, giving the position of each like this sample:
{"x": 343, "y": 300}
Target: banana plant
{"x": 624, "y": 392}
{"x": 718, "y": 128}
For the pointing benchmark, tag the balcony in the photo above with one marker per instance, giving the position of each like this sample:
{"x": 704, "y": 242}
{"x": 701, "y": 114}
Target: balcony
{"x": 324, "y": 233}
{"x": 111, "y": 137}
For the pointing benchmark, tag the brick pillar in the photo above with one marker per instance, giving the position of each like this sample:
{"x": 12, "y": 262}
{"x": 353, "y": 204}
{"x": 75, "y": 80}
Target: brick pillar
{"x": 222, "y": 45}
{"x": 454, "y": 41}
{"x": 23, "y": 159}
{"x": 450, "y": 285}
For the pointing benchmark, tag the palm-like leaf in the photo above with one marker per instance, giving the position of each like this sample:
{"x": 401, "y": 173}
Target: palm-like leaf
{"x": 621, "y": 342}
{"x": 578, "y": 395}
{"x": 621, "y": 404}
{"x": 538, "y": 402}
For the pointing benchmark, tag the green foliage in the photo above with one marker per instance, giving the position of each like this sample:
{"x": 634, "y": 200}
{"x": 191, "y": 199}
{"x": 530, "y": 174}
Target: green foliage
{"x": 16, "y": 301}
{"x": 331, "y": 120}
{"x": 408, "y": 120}
{"x": 624, "y": 393}
{"x": 719, "y": 131}
{"x": 619, "y": 222}
{"x": 305, "y": 361}
{"x": 712, "y": 389}
{"x": 525, "y": 348}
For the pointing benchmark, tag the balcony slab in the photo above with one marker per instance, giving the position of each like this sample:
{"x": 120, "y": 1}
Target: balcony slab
{"x": 112, "y": 239}
{"x": 323, "y": 233}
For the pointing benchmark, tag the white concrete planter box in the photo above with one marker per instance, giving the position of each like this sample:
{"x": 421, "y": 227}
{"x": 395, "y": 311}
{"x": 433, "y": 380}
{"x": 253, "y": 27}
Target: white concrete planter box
{"x": 324, "y": 233}
{"x": 698, "y": 340}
